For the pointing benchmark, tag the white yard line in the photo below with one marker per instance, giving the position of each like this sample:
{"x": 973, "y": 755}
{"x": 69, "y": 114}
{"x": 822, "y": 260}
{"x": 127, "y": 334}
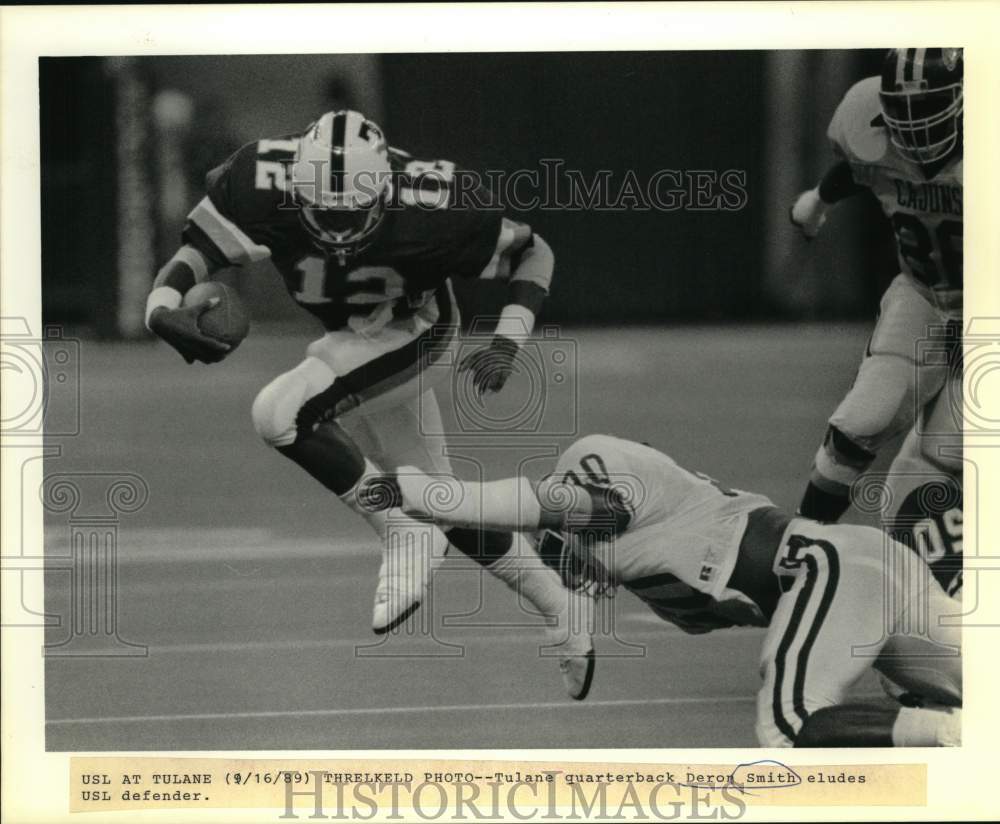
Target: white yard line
{"x": 206, "y": 546}
{"x": 503, "y": 635}
{"x": 537, "y": 705}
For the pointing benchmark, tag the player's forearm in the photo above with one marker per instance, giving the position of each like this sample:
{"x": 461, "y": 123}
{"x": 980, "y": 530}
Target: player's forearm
{"x": 507, "y": 505}
{"x": 511, "y": 504}
{"x": 187, "y": 267}
{"x": 528, "y": 288}
{"x": 837, "y": 184}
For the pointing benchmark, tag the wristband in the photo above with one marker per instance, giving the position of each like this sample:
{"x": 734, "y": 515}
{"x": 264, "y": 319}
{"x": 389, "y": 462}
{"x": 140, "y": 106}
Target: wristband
{"x": 165, "y": 296}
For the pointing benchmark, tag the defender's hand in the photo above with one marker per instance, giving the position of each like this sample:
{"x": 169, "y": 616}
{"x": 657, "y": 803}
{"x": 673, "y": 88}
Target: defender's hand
{"x": 179, "y": 328}
{"x": 491, "y": 365}
{"x": 808, "y": 213}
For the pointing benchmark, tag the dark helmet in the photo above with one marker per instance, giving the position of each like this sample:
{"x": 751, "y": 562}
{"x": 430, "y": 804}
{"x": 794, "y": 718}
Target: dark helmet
{"x": 921, "y": 97}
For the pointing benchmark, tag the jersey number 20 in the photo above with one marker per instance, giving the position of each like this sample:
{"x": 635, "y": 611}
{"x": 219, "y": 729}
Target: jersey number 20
{"x": 917, "y": 245}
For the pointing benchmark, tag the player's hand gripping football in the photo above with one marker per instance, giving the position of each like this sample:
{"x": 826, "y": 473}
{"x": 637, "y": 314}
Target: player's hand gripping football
{"x": 808, "y": 213}
{"x": 492, "y": 365}
{"x": 179, "y": 328}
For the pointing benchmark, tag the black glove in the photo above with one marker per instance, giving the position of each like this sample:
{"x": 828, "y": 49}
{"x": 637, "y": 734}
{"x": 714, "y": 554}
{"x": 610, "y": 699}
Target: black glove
{"x": 491, "y": 365}
{"x": 179, "y": 328}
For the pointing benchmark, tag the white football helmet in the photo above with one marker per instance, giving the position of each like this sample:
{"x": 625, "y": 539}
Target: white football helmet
{"x": 341, "y": 180}
{"x": 922, "y": 102}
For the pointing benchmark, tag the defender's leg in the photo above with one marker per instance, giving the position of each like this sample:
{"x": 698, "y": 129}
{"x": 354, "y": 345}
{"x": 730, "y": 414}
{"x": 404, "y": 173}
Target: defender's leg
{"x": 924, "y": 483}
{"x": 921, "y": 655}
{"x": 882, "y": 402}
{"x": 866, "y": 725}
{"x": 828, "y": 629}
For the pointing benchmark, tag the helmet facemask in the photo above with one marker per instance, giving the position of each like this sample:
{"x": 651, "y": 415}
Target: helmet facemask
{"x": 924, "y": 126}
{"x": 349, "y": 226}
{"x": 582, "y": 560}
{"x": 342, "y": 181}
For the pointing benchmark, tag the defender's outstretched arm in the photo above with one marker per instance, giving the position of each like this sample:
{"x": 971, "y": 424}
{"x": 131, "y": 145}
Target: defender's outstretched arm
{"x": 510, "y": 504}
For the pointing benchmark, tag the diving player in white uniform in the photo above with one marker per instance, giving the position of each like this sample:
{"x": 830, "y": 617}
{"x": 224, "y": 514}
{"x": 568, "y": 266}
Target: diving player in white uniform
{"x": 837, "y": 599}
{"x": 900, "y": 136}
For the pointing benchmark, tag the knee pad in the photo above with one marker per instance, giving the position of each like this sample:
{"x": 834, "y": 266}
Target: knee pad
{"x": 879, "y": 405}
{"x": 845, "y": 450}
{"x": 276, "y": 407}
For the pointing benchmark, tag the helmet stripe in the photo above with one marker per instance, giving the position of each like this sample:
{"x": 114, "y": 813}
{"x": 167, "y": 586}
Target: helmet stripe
{"x": 918, "y": 64}
{"x": 338, "y": 130}
{"x": 900, "y": 67}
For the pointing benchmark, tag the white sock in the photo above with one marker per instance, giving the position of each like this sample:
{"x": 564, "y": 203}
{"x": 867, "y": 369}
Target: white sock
{"x": 916, "y": 727}
{"x": 394, "y": 525}
{"x": 377, "y": 520}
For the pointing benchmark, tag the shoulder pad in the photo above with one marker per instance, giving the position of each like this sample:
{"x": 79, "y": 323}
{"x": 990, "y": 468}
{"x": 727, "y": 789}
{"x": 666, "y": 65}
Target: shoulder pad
{"x": 856, "y": 130}
{"x": 246, "y": 210}
{"x": 251, "y": 185}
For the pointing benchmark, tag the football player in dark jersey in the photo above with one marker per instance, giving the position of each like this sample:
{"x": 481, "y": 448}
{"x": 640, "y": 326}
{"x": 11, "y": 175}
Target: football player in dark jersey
{"x": 368, "y": 239}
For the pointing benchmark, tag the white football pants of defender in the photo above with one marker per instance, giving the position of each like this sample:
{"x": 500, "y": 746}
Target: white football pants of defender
{"x": 855, "y": 600}
{"x": 932, "y": 447}
{"x": 886, "y": 395}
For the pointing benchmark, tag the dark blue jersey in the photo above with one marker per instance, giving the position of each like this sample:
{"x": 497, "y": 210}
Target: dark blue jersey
{"x": 433, "y": 229}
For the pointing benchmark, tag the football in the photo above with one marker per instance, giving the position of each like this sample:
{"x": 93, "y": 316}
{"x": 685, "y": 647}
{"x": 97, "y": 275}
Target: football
{"x": 227, "y": 320}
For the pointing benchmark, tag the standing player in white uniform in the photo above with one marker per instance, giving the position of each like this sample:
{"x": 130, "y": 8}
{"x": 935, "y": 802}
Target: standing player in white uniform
{"x": 367, "y": 240}
{"x": 900, "y": 136}
{"x": 837, "y": 599}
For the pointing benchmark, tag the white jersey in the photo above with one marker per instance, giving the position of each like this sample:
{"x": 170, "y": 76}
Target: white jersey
{"x": 680, "y": 547}
{"x": 926, "y": 214}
